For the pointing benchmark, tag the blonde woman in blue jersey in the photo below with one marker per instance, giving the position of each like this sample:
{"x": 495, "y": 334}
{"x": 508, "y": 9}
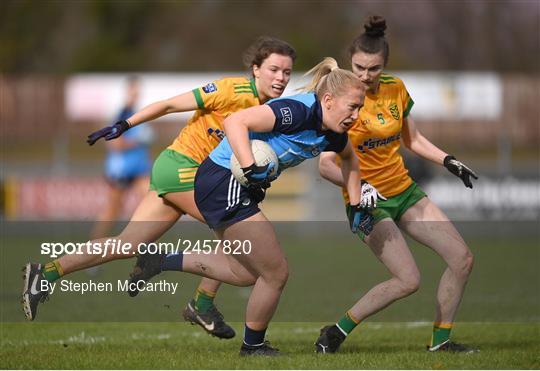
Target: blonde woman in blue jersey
{"x": 171, "y": 193}
{"x": 297, "y": 128}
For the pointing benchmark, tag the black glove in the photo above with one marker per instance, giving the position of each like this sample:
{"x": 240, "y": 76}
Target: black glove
{"x": 259, "y": 176}
{"x": 257, "y": 194}
{"x": 460, "y": 170}
{"x": 109, "y": 132}
{"x": 360, "y": 219}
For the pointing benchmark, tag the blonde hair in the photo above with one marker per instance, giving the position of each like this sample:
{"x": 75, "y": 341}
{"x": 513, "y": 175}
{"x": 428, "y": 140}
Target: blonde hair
{"x": 329, "y": 78}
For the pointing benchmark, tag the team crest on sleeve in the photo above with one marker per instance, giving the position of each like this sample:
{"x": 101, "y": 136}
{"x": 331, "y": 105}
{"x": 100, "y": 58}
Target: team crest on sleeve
{"x": 394, "y": 110}
{"x": 286, "y": 116}
{"x": 209, "y": 88}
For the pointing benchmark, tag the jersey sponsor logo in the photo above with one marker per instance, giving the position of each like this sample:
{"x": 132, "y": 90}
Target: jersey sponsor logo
{"x": 373, "y": 143}
{"x": 219, "y": 134}
{"x": 394, "y": 110}
{"x": 209, "y": 88}
{"x": 286, "y": 116}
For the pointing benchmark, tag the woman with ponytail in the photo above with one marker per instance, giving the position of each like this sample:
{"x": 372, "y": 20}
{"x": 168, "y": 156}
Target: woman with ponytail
{"x": 383, "y": 121}
{"x": 171, "y": 195}
{"x": 297, "y": 128}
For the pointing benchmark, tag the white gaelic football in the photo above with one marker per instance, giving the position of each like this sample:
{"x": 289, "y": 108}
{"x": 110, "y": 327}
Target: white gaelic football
{"x": 262, "y": 153}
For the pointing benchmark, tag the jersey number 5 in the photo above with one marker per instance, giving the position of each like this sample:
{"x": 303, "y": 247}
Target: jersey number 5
{"x": 380, "y": 118}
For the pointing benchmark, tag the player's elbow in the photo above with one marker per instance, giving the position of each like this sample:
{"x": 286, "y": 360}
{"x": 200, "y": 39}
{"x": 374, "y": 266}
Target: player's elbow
{"x": 325, "y": 164}
{"x": 234, "y": 122}
{"x": 407, "y": 142}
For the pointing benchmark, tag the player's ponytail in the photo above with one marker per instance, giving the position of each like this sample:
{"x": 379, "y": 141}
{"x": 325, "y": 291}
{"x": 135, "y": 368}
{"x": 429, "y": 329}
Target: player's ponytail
{"x": 373, "y": 40}
{"x": 329, "y": 78}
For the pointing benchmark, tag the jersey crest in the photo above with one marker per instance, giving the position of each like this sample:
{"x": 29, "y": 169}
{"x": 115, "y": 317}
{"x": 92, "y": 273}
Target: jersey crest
{"x": 394, "y": 110}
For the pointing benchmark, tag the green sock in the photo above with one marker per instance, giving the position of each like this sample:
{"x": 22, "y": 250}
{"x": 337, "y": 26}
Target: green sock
{"x": 52, "y": 271}
{"x": 204, "y": 300}
{"x": 347, "y": 323}
{"x": 441, "y": 333}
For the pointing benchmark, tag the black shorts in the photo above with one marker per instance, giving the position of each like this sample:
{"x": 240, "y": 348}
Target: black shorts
{"x": 220, "y": 198}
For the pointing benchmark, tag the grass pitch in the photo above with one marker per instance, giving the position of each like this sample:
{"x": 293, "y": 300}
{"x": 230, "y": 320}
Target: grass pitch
{"x": 182, "y": 346}
{"x": 500, "y": 312}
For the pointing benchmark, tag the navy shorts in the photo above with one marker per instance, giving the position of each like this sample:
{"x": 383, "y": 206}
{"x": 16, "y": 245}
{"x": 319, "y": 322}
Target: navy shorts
{"x": 220, "y": 198}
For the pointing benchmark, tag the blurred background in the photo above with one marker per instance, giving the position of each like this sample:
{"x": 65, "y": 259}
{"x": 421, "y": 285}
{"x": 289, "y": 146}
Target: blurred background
{"x": 472, "y": 68}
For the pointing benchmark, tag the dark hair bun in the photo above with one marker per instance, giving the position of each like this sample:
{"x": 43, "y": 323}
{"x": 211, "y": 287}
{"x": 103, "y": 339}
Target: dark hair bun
{"x": 375, "y": 26}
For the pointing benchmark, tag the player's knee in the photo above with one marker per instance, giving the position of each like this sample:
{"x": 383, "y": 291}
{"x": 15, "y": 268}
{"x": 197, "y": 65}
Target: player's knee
{"x": 247, "y": 281}
{"x": 461, "y": 264}
{"x": 409, "y": 284}
{"x": 278, "y": 274}
{"x": 282, "y": 273}
{"x": 466, "y": 263}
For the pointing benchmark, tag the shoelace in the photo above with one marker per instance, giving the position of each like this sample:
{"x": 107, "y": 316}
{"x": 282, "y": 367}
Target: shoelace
{"x": 266, "y": 344}
{"x": 44, "y": 298}
{"x": 216, "y": 312}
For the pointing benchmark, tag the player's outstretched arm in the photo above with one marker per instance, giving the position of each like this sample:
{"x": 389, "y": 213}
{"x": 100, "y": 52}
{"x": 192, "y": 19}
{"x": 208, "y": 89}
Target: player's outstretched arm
{"x": 416, "y": 142}
{"x": 180, "y": 103}
{"x": 420, "y": 145}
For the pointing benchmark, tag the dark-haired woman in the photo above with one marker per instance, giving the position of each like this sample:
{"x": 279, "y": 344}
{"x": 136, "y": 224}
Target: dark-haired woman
{"x": 383, "y": 123}
{"x": 171, "y": 193}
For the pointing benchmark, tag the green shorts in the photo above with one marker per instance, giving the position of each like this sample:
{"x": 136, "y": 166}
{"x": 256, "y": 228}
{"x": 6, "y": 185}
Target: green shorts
{"x": 173, "y": 172}
{"x": 394, "y": 207}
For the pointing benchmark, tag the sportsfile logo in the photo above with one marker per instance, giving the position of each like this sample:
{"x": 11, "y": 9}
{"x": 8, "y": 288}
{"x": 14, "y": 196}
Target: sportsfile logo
{"x": 373, "y": 143}
{"x": 287, "y": 116}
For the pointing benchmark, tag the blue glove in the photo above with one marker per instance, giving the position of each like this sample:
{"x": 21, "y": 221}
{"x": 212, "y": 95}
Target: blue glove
{"x": 109, "y": 132}
{"x": 259, "y": 176}
{"x": 360, "y": 220}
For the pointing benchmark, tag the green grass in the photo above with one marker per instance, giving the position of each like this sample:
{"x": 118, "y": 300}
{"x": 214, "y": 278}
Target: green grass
{"x": 500, "y": 311}
{"x": 181, "y": 346}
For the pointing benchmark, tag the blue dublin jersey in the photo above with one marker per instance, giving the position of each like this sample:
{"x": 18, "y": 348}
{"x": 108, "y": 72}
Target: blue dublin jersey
{"x": 296, "y": 136}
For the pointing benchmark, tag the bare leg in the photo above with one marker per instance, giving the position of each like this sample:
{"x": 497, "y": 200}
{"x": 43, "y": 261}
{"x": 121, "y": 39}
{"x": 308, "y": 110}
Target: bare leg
{"x": 265, "y": 266}
{"x": 185, "y": 201}
{"x": 141, "y": 186}
{"x": 266, "y": 260}
{"x": 109, "y": 214}
{"x": 153, "y": 217}
{"x": 427, "y": 224}
{"x": 389, "y": 246}
{"x": 218, "y": 266}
